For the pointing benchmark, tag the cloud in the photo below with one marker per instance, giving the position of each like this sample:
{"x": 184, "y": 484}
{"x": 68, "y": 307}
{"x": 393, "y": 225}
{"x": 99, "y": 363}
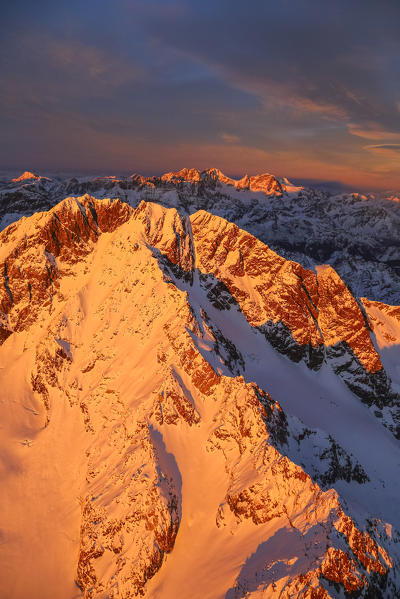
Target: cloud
{"x": 371, "y": 131}
{"x": 77, "y": 59}
{"x": 393, "y": 149}
{"x": 306, "y": 56}
{"x": 230, "y": 139}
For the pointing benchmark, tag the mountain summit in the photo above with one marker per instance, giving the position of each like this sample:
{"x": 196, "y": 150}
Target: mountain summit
{"x": 26, "y": 176}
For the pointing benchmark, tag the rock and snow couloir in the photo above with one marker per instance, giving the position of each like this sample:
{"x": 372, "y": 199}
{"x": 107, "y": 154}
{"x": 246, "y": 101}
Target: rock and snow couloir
{"x": 186, "y": 413}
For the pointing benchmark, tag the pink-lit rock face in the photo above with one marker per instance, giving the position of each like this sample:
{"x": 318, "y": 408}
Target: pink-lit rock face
{"x": 32, "y": 250}
{"x": 142, "y": 454}
{"x": 186, "y": 174}
{"x": 317, "y": 308}
{"x": 26, "y": 176}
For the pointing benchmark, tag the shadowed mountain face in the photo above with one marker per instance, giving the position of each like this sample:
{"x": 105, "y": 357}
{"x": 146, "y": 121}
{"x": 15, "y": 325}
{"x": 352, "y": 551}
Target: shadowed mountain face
{"x": 357, "y": 234}
{"x": 187, "y": 413}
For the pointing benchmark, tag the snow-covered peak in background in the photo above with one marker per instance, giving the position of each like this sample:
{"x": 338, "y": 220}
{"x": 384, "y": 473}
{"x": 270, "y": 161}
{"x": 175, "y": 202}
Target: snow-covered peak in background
{"x": 27, "y": 176}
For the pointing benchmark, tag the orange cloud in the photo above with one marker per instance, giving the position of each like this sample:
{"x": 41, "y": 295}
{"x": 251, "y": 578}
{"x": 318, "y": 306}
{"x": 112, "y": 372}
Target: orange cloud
{"x": 391, "y": 149}
{"x": 371, "y": 131}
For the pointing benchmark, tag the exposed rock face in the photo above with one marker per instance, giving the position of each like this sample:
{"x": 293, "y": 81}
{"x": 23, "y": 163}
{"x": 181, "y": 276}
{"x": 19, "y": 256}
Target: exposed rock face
{"x": 191, "y": 175}
{"x": 26, "y": 176}
{"x": 30, "y": 252}
{"x": 124, "y": 538}
{"x": 304, "y": 315}
{"x": 189, "y": 479}
{"x": 158, "y": 224}
{"x": 266, "y": 487}
{"x": 263, "y": 284}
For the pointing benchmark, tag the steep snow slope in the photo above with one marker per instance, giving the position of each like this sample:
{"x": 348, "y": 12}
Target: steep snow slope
{"x": 142, "y": 451}
{"x": 356, "y": 234}
{"x": 385, "y": 323}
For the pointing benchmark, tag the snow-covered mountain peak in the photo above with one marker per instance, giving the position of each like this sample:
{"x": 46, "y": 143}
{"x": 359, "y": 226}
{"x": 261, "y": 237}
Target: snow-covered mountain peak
{"x": 26, "y": 176}
{"x": 190, "y": 175}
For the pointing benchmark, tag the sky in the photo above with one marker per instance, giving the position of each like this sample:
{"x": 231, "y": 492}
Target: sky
{"x": 298, "y": 88}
